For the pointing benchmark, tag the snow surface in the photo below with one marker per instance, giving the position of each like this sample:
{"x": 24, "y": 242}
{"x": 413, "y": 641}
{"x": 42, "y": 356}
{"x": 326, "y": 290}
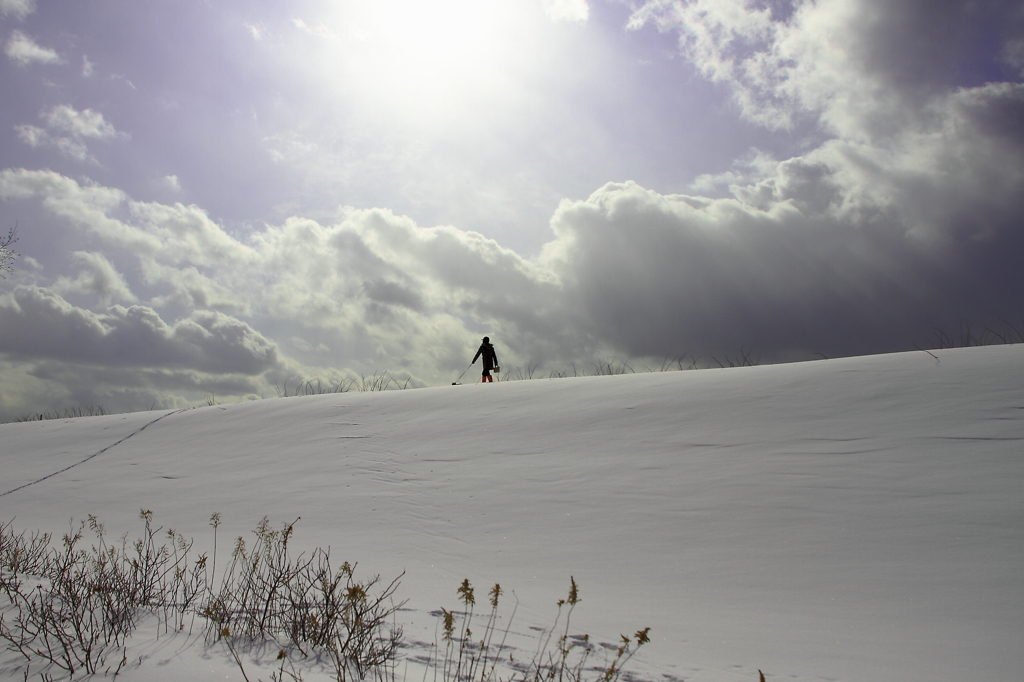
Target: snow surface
{"x": 850, "y": 519}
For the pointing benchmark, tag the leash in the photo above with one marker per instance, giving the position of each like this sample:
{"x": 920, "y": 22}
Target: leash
{"x": 454, "y": 383}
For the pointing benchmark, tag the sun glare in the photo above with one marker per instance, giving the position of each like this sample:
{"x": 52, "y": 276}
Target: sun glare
{"x": 430, "y": 59}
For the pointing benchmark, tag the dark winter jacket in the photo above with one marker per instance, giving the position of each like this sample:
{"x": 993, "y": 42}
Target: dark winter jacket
{"x": 490, "y": 357}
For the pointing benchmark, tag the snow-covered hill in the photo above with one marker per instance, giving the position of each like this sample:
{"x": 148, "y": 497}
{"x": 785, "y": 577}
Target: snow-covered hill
{"x": 853, "y": 519}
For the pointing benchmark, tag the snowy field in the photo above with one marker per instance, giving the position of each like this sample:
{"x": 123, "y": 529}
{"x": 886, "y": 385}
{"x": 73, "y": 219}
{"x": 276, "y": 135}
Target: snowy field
{"x": 848, "y": 520}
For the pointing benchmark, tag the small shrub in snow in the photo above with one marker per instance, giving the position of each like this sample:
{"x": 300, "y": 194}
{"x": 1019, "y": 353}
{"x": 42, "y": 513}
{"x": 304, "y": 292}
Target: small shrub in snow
{"x": 88, "y": 601}
{"x": 482, "y": 658}
{"x": 73, "y": 608}
{"x": 302, "y": 600}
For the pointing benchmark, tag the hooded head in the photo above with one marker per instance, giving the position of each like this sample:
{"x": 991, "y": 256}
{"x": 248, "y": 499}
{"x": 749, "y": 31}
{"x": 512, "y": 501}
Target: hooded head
{"x": 487, "y": 339}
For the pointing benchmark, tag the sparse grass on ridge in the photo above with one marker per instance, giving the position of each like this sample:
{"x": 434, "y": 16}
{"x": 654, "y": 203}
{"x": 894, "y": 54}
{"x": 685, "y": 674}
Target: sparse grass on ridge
{"x": 968, "y": 335}
{"x": 364, "y": 384}
{"x": 72, "y": 609}
{"x": 72, "y": 413}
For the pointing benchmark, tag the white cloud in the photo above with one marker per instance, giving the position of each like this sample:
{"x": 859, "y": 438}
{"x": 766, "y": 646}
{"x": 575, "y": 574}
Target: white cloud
{"x": 87, "y": 67}
{"x": 257, "y": 31}
{"x": 320, "y": 31}
{"x": 17, "y": 8}
{"x": 191, "y": 289}
{"x": 171, "y": 182}
{"x": 306, "y": 346}
{"x": 1013, "y": 54}
{"x": 35, "y": 136}
{"x": 87, "y": 123}
{"x": 729, "y": 40}
{"x": 567, "y": 10}
{"x": 124, "y": 79}
{"x": 23, "y": 50}
{"x": 67, "y": 128}
{"x": 756, "y": 166}
{"x": 97, "y": 276}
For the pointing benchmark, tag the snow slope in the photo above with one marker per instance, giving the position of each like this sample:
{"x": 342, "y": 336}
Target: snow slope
{"x": 851, "y": 519}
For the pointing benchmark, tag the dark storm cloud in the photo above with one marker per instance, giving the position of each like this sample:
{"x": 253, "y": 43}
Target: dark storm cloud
{"x": 901, "y": 222}
{"x": 654, "y": 275}
{"x": 38, "y": 324}
{"x": 134, "y": 388}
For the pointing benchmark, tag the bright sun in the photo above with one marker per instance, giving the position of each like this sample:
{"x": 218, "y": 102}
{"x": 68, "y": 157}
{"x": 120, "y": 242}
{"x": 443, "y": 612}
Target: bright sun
{"x": 435, "y": 58}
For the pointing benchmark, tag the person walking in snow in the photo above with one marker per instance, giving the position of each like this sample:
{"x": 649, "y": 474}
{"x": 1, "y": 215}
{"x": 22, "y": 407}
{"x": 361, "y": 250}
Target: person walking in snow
{"x": 490, "y": 359}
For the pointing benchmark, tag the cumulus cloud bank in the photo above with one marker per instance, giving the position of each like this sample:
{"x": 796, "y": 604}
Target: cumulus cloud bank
{"x": 38, "y": 324}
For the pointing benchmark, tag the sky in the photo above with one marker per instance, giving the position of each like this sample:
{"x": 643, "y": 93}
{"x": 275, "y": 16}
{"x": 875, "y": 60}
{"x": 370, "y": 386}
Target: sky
{"x": 213, "y": 199}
